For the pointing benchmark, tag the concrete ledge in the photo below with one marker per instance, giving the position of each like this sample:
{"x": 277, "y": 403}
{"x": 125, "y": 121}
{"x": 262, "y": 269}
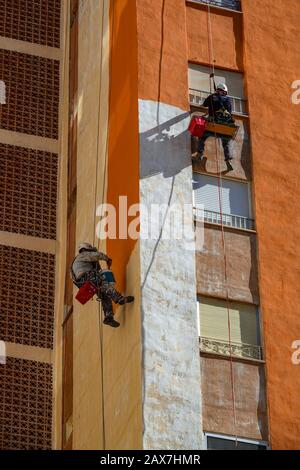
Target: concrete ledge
{"x": 30, "y": 353}
{"x": 29, "y": 141}
{"x": 233, "y": 358}
{"x": 30, "y": 48}
{"x": 25, "y": 242}
{"x": 229, "y": 228}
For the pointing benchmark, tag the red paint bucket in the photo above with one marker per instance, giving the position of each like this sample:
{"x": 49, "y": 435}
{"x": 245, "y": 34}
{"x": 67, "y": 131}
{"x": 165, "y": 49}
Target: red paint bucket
{"x": 197, "y": 126}
{"x": 86, "y": 292}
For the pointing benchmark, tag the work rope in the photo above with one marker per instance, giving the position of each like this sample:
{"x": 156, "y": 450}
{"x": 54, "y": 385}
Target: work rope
{"x": 220, "y": 186}
{"x": 100, "y": 309}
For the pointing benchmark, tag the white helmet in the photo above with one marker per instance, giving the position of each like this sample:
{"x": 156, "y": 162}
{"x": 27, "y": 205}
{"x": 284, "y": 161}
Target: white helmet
{"x": 85, "y": 246}
{"x": 222, "y": 86}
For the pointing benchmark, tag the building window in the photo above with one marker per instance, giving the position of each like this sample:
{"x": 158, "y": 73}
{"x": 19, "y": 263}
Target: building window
{"x": 230, "y": 4}
{"x": 220, "y": 442}
{"x": 244, "y": 338}
{"x": 200, "y": 87}
{"x": 232, "y": 199}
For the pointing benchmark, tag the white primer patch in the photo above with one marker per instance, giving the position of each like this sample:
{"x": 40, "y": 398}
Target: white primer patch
{"x": 171, "y": 363}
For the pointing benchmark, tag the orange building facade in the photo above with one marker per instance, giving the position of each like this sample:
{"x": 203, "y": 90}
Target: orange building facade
{"x": 172, "y": 37}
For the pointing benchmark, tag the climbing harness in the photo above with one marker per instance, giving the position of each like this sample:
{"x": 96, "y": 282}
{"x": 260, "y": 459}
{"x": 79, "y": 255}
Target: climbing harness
{"x": 108, "y": 277}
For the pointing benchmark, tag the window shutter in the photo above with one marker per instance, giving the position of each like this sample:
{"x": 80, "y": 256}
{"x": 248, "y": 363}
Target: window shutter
{"x": 214, "y": 321}
{"x": 234, "y": 195}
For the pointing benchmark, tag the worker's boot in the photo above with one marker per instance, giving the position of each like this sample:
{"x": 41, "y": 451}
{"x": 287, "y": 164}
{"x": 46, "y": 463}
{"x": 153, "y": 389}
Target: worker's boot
{"x": 197, "y": 156}
{"x": 126, "y": 300}
{"x": 110, "y": 321}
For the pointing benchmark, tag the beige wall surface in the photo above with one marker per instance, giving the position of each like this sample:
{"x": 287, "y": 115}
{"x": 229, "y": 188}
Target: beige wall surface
{"x": 241, "y": 265}
{"x": 122, "y": 369}
{"x": 249, "y": 387}
{"x": 213, "y": 160}
{"x": 92, "y": 102}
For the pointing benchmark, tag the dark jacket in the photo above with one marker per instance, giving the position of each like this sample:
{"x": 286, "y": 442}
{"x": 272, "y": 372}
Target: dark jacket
{"x": 216, "y": 102}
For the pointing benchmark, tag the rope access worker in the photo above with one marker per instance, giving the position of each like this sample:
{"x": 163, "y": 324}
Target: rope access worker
{"x": 86, "y": 267}
{"x": 219, "y": 109}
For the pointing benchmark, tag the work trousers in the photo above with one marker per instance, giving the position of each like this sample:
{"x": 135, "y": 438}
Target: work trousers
{"x": 107, "y": 293}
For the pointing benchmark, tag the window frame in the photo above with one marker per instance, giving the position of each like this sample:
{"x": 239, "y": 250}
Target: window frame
{"x": 214, "y": 5}
{"x": 233, "y": 438}
{"x": 259, "y": 336}
{"x": 238, "y": 91}
{"x": 249, "y": 200}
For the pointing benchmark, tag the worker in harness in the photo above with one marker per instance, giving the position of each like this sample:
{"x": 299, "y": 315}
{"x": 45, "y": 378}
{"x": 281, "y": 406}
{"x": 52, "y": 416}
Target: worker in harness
{"x": 86, "y": 267}
{"x": 219, "y": 110}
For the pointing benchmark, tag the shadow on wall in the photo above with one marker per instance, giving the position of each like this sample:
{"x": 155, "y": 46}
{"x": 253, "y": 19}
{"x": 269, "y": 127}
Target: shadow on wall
{"x": 164, "y": 151}
{"x": 241, "y": 156}
{"x": 262, "y": 416}
{"x": 238, "y": 28}
{"x": 253, "y": 278}
{"x": 246, "y": 154}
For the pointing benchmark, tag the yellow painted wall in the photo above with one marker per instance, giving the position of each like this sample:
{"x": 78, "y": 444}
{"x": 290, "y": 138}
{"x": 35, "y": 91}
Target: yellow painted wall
{"x": 112, "y": 421}
{"x": 122, "y": 369}
{"x": 92, "y": 117}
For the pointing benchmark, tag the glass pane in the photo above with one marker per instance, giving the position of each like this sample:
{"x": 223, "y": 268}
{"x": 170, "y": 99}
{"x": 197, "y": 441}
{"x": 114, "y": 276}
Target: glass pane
{"x": 216, "y": 443}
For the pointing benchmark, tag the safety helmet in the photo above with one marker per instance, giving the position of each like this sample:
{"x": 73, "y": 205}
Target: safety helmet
{"x": 85, "y": 246}
{"x": 222, "y": 86}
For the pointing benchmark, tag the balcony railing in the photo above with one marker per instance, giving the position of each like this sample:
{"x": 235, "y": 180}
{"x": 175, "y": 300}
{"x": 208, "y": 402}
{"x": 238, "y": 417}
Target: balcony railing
{"x": 230, "y": 220}
{"x": 197, "y": 97}
{"x": 215, "y": 346}
{"x": 230, "y": 4}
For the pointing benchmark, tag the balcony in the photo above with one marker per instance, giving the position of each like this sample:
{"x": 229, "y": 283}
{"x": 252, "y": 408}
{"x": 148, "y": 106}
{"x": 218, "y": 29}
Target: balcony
{"x": 230, "y": 220}
{"x": 229, "y": 4}
{"x": 224, "y": 348}
{"x": 197, "y": 97}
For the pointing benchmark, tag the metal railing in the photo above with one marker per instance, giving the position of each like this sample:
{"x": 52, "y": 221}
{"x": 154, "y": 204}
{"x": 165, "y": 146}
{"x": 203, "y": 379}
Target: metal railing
{"x": 230, "y": 220}
{"x": 215, "y": 346}
{"x": 230, "y": 4}
{"x": 197, "y": 97}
